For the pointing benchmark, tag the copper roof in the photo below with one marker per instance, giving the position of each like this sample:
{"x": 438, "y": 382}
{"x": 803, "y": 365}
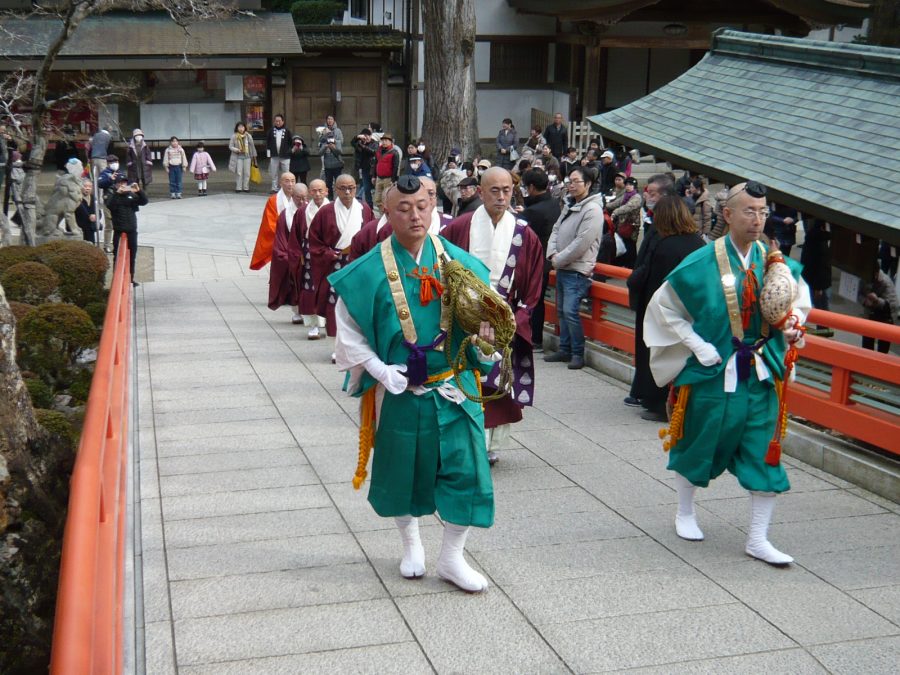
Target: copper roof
{"x": 817, "y": 122}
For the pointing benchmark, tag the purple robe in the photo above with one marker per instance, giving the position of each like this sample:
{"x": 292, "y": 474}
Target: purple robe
{"x": 324, "y": 235}
{"x": 368, "y": 237}
{"x": 524, "y": 295}
{"x": 284, "y": 288}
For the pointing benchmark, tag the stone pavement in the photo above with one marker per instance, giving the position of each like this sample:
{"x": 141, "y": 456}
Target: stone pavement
{"x": 257, "y": 556}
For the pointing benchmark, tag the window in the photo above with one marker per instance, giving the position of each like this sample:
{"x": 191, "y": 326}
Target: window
{"x": 359, "y": 9}
{"x": 518, "y": 64}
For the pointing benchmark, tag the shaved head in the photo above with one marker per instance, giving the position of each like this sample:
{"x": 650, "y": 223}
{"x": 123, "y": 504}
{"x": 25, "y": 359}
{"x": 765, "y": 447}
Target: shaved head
{"x": 496, "y": 191}
{"x": 318, "y": 191}
{"x": 300, "y": 194}
{"x": 345, "y": 188}
{"x": 287, "y": 182}
{"x": 431, "y": 188}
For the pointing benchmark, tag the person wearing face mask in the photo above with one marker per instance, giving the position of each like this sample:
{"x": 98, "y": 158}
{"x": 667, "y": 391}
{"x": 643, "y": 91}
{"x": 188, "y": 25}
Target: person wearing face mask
{"x": 140, "y": 162}
{"x": 106, "y": 182}
{"x": 416, "y": 166}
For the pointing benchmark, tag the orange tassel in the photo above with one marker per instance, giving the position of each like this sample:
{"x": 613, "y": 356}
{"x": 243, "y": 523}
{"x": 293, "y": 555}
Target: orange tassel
{"x": 773, "y": 456}
{"x": 675, "y": 431}
{"x": 749, "y": 296}
{"x": 366, "y": 436}
{"x": 429, "y": 286}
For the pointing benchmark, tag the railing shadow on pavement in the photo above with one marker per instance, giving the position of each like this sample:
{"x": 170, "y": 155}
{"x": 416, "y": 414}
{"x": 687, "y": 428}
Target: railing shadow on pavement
{"x": 838, "y": 386}
{"x": 87, "y": 632}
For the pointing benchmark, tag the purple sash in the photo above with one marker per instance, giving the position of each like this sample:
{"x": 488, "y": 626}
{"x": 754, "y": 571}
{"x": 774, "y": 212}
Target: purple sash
{"x": 522, "y": 357}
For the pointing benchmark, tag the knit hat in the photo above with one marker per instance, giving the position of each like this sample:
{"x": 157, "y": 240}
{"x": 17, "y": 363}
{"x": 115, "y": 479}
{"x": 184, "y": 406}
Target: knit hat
{"x": 137, "y": 132}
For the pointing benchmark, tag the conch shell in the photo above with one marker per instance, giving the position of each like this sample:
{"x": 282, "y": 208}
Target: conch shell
{"x": 778, "y": 291}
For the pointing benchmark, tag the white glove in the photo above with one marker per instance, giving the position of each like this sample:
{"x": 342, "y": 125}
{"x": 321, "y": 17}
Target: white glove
{"x": 390, "y": 376}
{"x": 792, "y": 332}
{"x": 705, "y": 352}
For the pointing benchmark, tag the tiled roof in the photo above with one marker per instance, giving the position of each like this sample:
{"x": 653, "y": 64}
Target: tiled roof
{"x": 349, "y": 37}
{"x": 146, "y": 34}
{"x": 817, "y": 122}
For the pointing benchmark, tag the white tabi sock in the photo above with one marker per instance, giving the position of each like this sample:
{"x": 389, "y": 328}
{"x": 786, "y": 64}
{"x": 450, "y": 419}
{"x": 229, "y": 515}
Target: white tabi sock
{"x": 413, "y": 564}
{"x": 762, "y": 505}
{"x": 686, "y": 525}
{"x": 452, "y": 566}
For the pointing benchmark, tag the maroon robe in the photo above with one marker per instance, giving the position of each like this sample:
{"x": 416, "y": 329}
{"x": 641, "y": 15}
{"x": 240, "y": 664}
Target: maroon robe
{"x": 325, "y": 259}
{"x": 523, "y": 297}
{"x": 286, "y": 258}
{"x": 368, "y": 237}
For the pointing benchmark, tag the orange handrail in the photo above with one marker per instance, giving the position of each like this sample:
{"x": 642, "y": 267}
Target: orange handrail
{"x": 87, "y": 631}
{"x": 832, "y": 409}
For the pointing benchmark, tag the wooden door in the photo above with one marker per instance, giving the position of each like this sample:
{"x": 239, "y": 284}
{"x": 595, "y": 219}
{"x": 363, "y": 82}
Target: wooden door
{"x": 313, "y": 100}
{"x": 359, "y": 104}
{"x": 352, "y": 95}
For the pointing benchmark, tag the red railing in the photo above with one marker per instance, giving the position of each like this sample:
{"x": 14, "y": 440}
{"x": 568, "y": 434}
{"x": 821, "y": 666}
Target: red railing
{"x": 832, "y": 406}
{"x": 87, "y": 632}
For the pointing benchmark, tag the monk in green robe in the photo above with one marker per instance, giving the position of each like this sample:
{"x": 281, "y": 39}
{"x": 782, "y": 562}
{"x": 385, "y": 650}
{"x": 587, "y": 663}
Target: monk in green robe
{"x": 429, "y": 447}
{"x": 707, "y": 336}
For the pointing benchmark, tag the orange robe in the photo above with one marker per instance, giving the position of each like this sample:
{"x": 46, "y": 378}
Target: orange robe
{"x": 265, "y": 239}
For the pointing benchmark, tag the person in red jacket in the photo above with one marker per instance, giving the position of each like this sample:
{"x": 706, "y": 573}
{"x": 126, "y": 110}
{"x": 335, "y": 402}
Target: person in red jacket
{"x": 387, "y": 168}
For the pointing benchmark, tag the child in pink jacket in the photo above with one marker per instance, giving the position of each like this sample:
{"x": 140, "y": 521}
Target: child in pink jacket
{"x": 201, "y": 166}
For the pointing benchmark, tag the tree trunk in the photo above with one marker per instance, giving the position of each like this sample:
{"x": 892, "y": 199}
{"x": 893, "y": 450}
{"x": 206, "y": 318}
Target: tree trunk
{"x": 884, "y": 26}
{"x": 451, "y": 119}
{"x": 34, "y": 487}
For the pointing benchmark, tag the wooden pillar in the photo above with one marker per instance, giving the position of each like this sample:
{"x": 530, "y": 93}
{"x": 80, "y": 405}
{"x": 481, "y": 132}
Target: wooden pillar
{"x": 590, "y": 101}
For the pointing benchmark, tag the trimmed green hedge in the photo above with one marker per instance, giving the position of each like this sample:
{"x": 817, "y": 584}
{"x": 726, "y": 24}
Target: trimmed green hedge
{"x": 316, "y": 12}
{"x": 30, "y": 282}
{"x": 51, "y": 338}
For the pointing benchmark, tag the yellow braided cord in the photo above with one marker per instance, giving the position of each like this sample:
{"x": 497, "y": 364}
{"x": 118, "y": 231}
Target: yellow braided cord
{"x": 366, "y": 436}
{"x": 471, "y": 301}
{"x": 675, "y": 432}
{"x": 781, "y": 429}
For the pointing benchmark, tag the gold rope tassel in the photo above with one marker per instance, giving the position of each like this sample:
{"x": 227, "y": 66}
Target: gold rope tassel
{"x": 675, "y": 432}
{"x": 366, "y": 436}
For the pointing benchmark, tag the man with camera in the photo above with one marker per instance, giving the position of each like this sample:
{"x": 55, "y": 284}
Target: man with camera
{"x": 123, "y": 205}
{"x": 364, "y": 149}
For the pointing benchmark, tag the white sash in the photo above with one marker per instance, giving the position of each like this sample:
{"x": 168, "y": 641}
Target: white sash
{"x": 491, "y": 244}
{"x": 349, "y": 222}
{"x": 311, "y": 211}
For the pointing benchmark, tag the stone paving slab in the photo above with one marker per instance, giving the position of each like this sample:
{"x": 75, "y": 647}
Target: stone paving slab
{"x": 259, "y": 557}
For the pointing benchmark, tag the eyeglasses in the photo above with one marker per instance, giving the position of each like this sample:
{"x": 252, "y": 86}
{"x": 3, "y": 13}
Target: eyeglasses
{"x": 574, "y": 182}
{"x": 754, "y": 213}
{"x": 345, "y": 188}
{"x": 753, "y": 188}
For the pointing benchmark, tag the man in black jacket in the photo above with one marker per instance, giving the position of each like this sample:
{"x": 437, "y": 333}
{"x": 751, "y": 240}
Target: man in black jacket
{"x": 557, "y": 136}
{"x": 364, "y": 149}
{"x": 123, "y": 206}
{"x": 541, "y": 213}
{"x": 278, "y": 144}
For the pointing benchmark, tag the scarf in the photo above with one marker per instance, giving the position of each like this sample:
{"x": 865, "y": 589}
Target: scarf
{"x": 242, "y": 143}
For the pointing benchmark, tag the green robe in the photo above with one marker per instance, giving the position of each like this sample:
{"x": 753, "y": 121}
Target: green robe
{"x": 726, "y": 430}
{"x": 429, "y": 452}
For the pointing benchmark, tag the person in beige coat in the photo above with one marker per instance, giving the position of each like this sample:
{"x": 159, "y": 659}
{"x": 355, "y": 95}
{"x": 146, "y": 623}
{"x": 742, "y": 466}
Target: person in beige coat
{"x": 243, "y": 153}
